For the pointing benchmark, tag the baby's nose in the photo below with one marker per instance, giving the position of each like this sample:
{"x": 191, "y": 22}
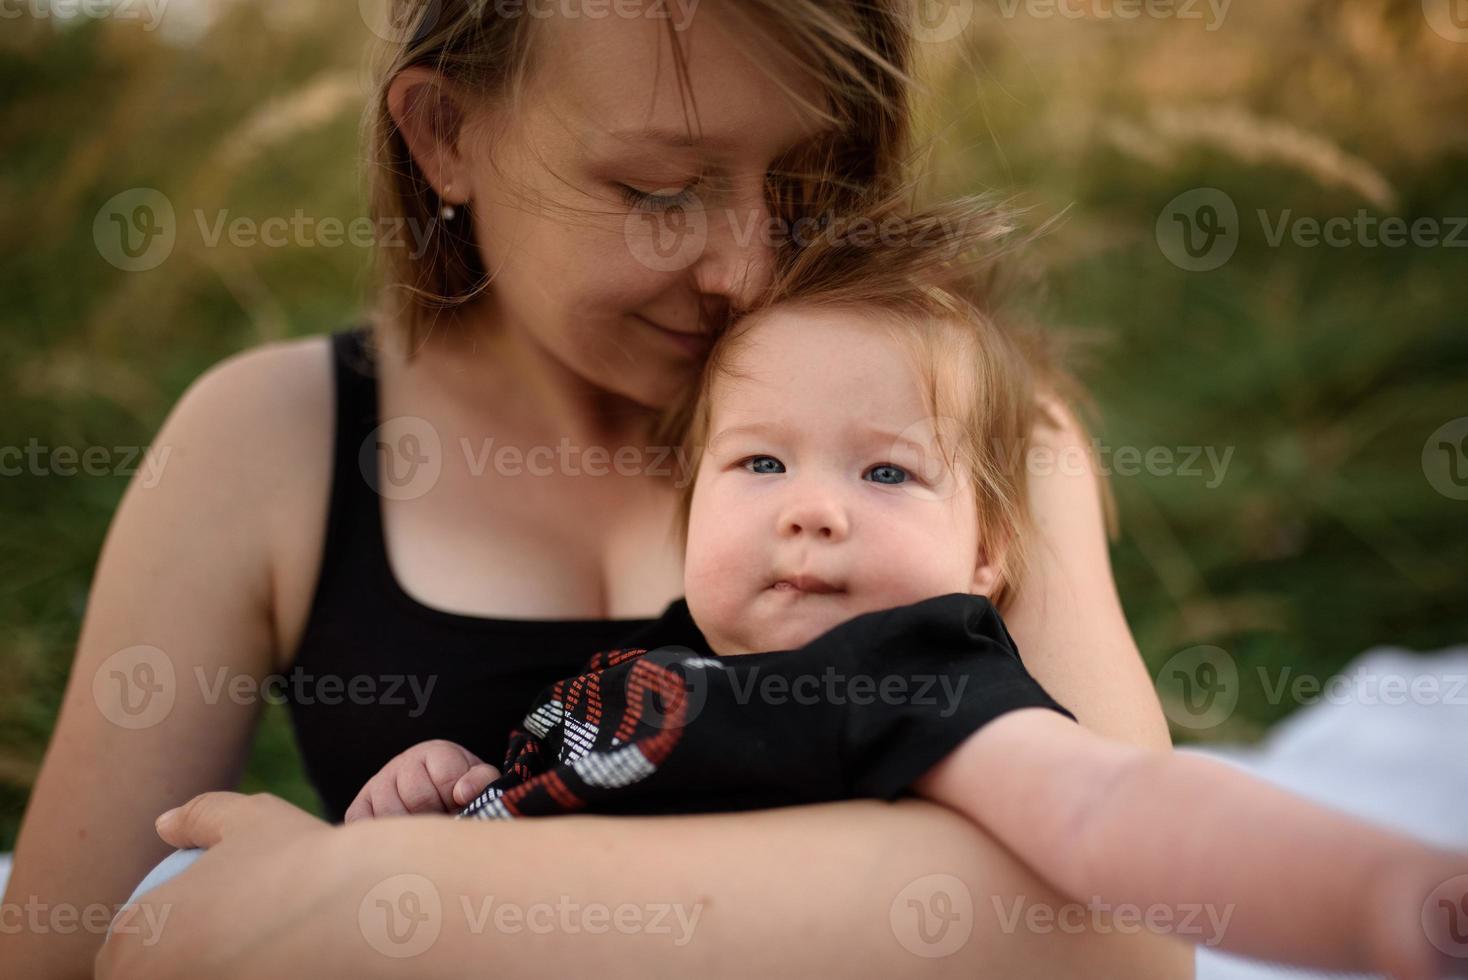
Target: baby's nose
{"x": 821, "y": 518}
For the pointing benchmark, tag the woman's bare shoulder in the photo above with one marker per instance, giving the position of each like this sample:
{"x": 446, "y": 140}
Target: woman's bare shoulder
{"x": 258, "y": 414}
{"x": 263, "y": 420}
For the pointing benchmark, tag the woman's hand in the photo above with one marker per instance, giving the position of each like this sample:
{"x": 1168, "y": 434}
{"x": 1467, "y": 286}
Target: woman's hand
{"x": 431, "y": 777}
{"x": 257, "y": 872}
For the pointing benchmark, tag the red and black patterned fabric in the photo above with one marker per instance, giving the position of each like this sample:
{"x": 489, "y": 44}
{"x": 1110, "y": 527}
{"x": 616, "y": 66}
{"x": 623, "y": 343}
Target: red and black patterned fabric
{"x": 861, "y": 711}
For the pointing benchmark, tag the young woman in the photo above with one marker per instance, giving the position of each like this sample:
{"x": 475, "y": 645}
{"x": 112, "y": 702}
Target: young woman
{"x": 321, "y": 521}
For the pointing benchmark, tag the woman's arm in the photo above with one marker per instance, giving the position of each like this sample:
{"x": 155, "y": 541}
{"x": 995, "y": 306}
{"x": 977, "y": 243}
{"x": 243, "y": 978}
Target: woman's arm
{"x": 185, "y": 571}
{"x": 1211, "y": 854}
{"x": 874, "y": 895}
{"x": 1067, "y": 618}
{"x": 855, "y": 889}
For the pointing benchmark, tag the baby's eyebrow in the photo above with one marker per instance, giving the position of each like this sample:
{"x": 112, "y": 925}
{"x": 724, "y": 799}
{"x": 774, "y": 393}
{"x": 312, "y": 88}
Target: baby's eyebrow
{"x": 770, "y": 430}
{"x": 869, "y": 435}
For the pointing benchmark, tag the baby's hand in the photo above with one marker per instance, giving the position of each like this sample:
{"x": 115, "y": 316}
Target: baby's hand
{"x": 1420, "y": 921}
{"x": 430, "y": 777}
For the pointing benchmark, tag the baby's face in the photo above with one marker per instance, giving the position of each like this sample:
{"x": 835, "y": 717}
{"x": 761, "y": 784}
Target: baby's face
{"x": 822, "y": 493}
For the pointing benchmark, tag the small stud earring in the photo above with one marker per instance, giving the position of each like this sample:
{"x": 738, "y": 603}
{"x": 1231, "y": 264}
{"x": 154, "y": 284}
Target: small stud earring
{"x": 447, "y": 212}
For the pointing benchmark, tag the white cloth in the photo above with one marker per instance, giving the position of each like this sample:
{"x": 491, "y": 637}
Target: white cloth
{"x": 1378, "y": 752}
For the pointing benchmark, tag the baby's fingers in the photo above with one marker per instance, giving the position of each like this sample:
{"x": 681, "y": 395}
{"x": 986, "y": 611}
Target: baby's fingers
{"x": 417, "y": 791}
{"x": 472, "y": 783}
{"x": 361, "y": 808}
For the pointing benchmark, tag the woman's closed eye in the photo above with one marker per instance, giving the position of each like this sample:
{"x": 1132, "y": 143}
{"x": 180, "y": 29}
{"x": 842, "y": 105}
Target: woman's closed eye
{"x": 656, "y": 202}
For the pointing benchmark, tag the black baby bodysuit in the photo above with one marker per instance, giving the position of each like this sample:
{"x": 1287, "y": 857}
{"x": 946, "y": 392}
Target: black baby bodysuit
{"x": 663, "y": 725}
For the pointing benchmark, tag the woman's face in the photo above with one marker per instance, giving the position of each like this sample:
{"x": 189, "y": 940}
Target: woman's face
{"x": 607, "y": 229}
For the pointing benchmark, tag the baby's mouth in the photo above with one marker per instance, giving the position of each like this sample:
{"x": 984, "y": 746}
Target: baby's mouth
{"x": 806, "y": 584}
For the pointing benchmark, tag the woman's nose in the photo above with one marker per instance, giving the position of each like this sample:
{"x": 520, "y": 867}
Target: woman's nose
{"x": 738, "y": 260}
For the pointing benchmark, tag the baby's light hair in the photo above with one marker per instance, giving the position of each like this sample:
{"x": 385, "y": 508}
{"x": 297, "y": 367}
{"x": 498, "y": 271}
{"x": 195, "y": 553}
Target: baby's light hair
{"x": 930, "y": 271}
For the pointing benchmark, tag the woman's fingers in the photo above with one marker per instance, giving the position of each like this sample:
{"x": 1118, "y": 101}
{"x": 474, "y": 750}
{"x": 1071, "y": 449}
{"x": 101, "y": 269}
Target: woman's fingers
{"x": 201, "y": 822}
{"x": 472, "y": 783}
{"x": 209, "y": 818}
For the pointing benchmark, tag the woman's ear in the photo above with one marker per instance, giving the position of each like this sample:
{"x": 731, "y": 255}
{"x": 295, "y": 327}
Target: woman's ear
{"x": 431, "y": 115}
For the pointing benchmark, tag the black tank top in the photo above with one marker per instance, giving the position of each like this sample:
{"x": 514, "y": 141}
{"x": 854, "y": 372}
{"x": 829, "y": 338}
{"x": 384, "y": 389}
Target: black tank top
{"x": 376, "y": 670}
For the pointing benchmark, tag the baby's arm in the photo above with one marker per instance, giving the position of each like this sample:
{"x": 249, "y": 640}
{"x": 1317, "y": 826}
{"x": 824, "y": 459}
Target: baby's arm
{"x": 431, "y": 777}
{"x": 1293, "y": 881}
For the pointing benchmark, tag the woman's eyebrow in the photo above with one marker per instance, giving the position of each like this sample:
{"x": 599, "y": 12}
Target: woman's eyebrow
{"x": 668, "y": 137}
{"x": 685, "y": 140}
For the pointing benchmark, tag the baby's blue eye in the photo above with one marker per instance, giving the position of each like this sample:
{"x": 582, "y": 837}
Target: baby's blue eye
{"x": 754, "y": 462}
{"x": 888, "y": 474}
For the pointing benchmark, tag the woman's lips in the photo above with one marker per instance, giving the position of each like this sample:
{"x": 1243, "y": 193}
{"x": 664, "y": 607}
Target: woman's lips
{"x": 689, "y": 343}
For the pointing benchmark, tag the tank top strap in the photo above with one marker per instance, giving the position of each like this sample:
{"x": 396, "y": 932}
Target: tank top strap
{"x": 354, "y": 521}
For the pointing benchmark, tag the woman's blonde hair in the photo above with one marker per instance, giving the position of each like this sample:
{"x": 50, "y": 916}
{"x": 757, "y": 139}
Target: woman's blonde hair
{"x": 858, "y": 52}
{"x": 929, "y": 274}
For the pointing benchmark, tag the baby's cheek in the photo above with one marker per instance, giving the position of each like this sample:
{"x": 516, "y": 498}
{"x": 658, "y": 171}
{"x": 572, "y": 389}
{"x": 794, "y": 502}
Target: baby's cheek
{"x": 917, "y": 567}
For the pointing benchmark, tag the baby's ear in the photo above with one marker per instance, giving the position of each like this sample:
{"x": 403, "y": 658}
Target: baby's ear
{"x": 988, "y": 571}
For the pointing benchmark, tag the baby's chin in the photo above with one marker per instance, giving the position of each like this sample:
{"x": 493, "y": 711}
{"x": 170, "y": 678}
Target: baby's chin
{"x": 761, "y": 630}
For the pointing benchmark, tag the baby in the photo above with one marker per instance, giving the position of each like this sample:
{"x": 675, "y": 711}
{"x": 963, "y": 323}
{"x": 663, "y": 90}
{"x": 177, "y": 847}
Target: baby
{"x": 858, "y": 512}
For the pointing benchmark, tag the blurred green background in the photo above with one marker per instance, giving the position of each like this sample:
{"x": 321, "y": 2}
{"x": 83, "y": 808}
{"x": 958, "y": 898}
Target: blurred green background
{"x": 1322, "y": 370}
